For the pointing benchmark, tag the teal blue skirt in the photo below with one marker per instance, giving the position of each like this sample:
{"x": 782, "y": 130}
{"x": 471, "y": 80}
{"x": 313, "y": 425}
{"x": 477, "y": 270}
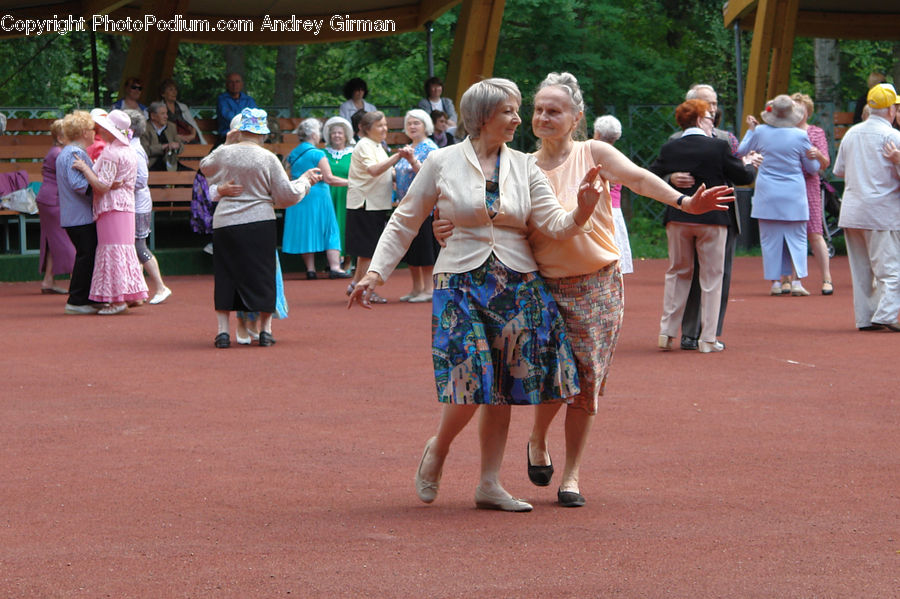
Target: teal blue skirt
{"x": 498, "y": 339}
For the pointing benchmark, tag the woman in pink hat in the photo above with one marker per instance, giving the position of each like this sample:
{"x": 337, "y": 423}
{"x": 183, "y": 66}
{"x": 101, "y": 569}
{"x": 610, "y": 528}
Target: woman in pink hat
{"x": 118, "y": 279}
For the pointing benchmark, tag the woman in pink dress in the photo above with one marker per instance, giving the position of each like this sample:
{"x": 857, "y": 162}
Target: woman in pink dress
{"x": 815, "y": 224}
{"x": 57, "y": 251}
{"x": 118, "y": 279}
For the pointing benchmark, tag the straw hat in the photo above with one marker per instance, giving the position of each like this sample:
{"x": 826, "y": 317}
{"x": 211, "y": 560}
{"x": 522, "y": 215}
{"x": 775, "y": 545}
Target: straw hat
{"x": 116, "y": 122}
{"x": 783, "y": 112}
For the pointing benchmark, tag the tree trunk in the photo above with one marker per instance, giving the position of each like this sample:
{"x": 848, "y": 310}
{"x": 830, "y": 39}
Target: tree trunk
{"x": 234, "y": 61}
{"x": 115, "y": 63}
{"x": 285, "y": 77}
{"x": 896, "y": 69}
{"x": 828, "y": 71}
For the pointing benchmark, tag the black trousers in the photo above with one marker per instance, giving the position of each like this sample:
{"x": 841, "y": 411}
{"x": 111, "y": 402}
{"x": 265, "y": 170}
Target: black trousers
{"x": 690, "y": 322}
{"x": 84, "y": 238}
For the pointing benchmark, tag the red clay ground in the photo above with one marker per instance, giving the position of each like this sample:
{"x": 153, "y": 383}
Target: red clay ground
{"x": 139, "y": 461}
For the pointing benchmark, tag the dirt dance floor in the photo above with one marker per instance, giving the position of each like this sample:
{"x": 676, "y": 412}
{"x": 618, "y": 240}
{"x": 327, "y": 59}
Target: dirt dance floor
{"x": 139, "y": 461}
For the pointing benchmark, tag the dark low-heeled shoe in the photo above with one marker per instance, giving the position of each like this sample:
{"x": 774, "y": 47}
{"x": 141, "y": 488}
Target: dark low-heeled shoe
{"x": 311, "y": 275}
{"x": 539, "y": 475}
{"x": 266, "y": 339}
{"x": 569, "y": 498}
{"x": 223, "y": 340}
{"x": 337, "y": 274}
{"x": 688, "y": 343}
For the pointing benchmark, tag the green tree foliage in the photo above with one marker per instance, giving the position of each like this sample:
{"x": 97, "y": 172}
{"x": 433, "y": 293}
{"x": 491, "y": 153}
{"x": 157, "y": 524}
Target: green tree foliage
{"x": 624, "y": 52}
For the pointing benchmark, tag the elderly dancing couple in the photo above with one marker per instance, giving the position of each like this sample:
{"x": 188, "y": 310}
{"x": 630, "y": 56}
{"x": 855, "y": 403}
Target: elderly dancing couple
{"x": 528, "y": 296}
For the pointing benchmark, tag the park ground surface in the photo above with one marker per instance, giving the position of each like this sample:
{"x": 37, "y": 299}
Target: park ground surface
{"x": 139, "y": 461}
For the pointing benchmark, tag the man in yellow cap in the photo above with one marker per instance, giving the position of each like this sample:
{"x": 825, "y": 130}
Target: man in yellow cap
{"x": 870, "y": 211}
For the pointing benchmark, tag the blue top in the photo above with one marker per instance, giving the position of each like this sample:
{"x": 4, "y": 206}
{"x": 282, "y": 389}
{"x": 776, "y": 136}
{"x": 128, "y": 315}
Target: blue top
{"x": 120, "y": 105}
{"x": 780, "y": 187}
{"x": 404, "y": 169}
{"x": 227, "y": 107}
{"x": 75, "y": 194}
{"x": 304, "y": 157}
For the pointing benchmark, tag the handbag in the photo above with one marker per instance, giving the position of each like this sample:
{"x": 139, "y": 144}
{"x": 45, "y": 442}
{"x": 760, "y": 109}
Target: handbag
{"x": 21, "y": 200}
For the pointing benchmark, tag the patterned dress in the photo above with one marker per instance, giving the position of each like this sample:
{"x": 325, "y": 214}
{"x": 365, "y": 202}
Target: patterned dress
{"x": 117, "y": 272}
{"x": 813, "y": 192}
{"x": 422, "y": 250}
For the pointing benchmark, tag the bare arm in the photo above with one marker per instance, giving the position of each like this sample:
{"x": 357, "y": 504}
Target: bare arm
{"x": 379, "y": 167}
{"x": 617, "y": 167}
{"x": 328, "y": 176}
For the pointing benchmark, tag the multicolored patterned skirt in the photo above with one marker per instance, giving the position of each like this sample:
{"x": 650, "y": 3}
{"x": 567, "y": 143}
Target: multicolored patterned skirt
{"x": 592, "y": 306}
{"x": 498, "y": 338}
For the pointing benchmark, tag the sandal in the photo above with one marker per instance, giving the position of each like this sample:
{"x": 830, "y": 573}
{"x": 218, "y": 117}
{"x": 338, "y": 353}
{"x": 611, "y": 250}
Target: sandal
{"x": 350, "y": 288}
{"x": 827, "y": 288}
{"x": 374, "y": 298}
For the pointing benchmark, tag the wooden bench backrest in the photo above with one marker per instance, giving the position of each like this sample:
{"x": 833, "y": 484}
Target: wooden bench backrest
{"x": 842, "y": 123}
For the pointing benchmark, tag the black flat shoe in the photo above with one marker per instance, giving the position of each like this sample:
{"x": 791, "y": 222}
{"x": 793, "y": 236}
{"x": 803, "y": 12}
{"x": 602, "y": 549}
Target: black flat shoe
{"x": 266, "y": 339}
{"x": 336, "y": 274}
{"x": 223, "y": 340}
{"x": 539, "y": 475}
{"x": 688, "y": 343}
{"x": 311, "y": 275}
{"x": 570, "y": 498}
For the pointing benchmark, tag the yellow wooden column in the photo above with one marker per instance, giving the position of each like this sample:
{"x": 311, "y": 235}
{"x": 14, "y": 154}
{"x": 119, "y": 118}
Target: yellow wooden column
{"x": 782, "y": 47}
{"x": 757, "y": 68}
{"x": 475, "y": 45}
{"x": 769, "y": 69}
{"x": 151, "y": 55}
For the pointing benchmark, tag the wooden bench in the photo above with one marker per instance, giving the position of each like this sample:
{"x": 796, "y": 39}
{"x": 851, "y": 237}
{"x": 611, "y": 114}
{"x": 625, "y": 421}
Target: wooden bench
{"x": 842, "y": 123}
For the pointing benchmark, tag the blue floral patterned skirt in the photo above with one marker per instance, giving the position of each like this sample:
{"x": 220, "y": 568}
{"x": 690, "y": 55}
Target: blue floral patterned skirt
{"x": 498, "y": 338}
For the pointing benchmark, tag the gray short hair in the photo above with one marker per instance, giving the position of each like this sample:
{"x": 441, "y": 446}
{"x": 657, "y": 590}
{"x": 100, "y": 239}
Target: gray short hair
{"x": 692, "y": 93}
{"x": 138, "y": 122}
{"x": 420, "y": 115}
{"x": 480, "y": 101}
{"x": 608, "y": 128}
{"x": 155, "y": 106}
{"x": 308, "y": 128}
{"x": 569, "y": 83}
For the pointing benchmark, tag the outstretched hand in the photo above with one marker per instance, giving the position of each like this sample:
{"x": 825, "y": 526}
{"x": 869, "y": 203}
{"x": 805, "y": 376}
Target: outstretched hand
{"x": 364, "y": 290}
{"x": 707, "y": 200}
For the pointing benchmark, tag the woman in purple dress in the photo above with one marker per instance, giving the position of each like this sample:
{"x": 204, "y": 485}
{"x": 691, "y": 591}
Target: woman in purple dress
{"x": 57, "y": 251}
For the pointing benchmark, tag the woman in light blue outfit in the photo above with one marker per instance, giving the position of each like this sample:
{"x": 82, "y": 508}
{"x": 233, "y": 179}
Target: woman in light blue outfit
{"x": 779, "y": 202}
{"x": 311, "y": 226}
{"x": 422, "y": 251}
